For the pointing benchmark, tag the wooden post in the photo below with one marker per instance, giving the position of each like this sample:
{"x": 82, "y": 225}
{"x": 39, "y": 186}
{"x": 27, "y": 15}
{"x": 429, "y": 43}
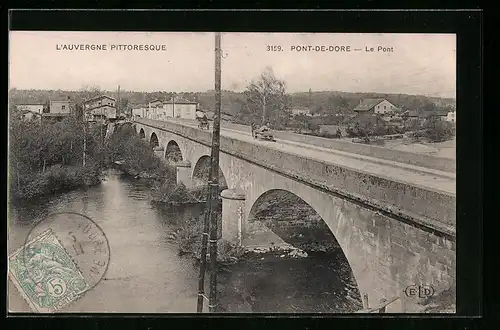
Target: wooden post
{"x": 84, "y": 135}
{"x": 365, "y": 301}
{"x": 214, "y": 184}
{"x": 210, "y": 216}
{"x": 382, "y": 309}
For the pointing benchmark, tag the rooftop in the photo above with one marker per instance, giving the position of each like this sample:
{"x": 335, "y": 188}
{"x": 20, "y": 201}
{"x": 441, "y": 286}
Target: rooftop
{"x": 367, "y": 104}
{"x": 24, "y": 111}
{"x": 100, "y": 97}
{"x": 425, "y": 114}
{"x": 180, "y": 100}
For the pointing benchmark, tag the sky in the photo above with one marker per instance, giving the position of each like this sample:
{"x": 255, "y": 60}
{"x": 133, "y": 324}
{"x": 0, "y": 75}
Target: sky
{"x": 411, "y": 63}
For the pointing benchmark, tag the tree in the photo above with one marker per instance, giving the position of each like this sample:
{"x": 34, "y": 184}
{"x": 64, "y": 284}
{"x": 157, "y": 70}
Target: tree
{"x": 266, "y": 98}
{"x": 87, "y": 92}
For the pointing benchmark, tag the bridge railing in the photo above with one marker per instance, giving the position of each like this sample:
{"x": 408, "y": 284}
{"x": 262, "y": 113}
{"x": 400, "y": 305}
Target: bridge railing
{"x": 407, "y": 157}
{"x": 380, "y": 308}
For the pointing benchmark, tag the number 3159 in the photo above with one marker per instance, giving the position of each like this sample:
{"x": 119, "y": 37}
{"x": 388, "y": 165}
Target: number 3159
{"x": 274, "y": 48}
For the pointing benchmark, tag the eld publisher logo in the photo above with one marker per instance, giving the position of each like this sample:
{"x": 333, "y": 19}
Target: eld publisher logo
{"x": 419, "y": 291}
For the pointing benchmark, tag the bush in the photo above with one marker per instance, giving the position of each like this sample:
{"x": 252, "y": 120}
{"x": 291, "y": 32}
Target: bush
{"x": 176, "y": 193}
{"x": 56, "y": 178}
{"x": 190, "y": 235}
{"x": 437, "y": 130}
{"x": 190, "y": 241}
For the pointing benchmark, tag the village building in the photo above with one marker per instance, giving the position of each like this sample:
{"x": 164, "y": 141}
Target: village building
{"x": 58, "y": 110}
{"x": 29, "y": 115}
{"x": 174, "y": 108}
{"x": 35, "y": 107}
{"x": 60, "y": 107}
{"x": 30, "y": 110}
{"x": 438, "y": 114}
{"x": 451, "y": 117}
{"x": 100, "y": 108}
{"x": 178, "y": 107}
{"x": 379, "y": 106}
{"x": 422, "y": 115}
{"x": 139, "y": 111}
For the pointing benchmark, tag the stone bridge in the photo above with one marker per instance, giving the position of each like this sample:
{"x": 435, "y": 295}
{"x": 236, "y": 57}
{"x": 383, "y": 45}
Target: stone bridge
{"x": 395, "y": 222}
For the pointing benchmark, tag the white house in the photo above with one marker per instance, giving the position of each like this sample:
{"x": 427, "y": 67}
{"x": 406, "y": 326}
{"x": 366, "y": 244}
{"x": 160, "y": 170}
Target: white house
{"x": 180, "y": 108}
{"x": 451, "y": 117}
{"x": 380, "y": 106}
{"x": 139, "y": 111}
{"x": 32, "y": 107}
{"x": 29, "y": 115}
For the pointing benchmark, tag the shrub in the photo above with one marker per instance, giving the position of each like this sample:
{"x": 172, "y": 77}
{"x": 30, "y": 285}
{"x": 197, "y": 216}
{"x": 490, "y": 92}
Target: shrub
{"x": 176, "y": 193}
{"x": 437, "y": 130}
{"x": 189, "y": 236}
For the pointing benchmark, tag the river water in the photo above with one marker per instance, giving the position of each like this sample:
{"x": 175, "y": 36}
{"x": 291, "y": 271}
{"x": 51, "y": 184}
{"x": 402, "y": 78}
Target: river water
{"x": 146, "y": 274}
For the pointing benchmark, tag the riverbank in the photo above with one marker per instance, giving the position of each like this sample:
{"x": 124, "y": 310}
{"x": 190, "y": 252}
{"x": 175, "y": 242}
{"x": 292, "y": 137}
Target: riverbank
{"x": 46, "y": 158}
{"x": 55, "y": 179}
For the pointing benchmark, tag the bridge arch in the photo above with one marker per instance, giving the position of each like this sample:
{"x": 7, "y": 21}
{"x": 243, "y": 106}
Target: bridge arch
{"x": 297, "y": 223}
{"x": 142, "y": 134}
{"x": 344, "y": 220}
{"x": 153, "y": 140}
{"x": 173, "y": 153}
{"x": 201, "y": 170}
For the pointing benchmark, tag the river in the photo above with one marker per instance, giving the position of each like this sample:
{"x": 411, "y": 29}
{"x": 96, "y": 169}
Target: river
{"x": 146, "y": 274}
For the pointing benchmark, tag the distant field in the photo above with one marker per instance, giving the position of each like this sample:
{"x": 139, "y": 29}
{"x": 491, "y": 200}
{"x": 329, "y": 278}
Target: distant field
{"x": 445, "y": 149}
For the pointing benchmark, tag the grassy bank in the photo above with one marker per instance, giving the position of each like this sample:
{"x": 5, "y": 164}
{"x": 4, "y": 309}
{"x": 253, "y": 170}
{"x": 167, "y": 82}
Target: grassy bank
{"x": 55, "y": 179}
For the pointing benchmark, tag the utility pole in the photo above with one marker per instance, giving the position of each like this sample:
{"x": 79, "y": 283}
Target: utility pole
{"x": 119, "y": 102}
{"x": 210, "y": 219}
{"x": 84, "y": 134}
{"x": 309, "y": 101}
{"x": 264, "y": 106}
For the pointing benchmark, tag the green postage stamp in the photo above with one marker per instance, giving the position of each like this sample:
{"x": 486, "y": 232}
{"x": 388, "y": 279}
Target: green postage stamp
{"x": 45, "y": 274}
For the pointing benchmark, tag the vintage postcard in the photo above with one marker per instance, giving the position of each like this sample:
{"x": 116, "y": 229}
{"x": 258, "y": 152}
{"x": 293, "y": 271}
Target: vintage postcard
{"x": 319, "y": 169}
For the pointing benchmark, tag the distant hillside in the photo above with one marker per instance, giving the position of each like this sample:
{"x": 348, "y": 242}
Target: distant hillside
{"x": 321, "y": 102}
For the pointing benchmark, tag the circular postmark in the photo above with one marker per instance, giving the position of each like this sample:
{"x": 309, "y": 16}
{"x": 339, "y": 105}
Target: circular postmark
{"x": 63, "y": 256}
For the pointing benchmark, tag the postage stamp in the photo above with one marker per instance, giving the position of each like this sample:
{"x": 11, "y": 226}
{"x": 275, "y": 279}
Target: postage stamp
{"x": 45, "y": 274}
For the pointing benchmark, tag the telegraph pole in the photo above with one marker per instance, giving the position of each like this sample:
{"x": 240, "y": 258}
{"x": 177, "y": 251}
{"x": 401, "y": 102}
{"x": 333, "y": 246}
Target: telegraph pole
{"x": 211, "y": 216}
{"x": 119, "y": 102}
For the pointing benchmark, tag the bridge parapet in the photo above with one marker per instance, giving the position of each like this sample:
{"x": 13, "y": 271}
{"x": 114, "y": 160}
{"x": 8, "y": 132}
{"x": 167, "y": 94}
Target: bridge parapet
{"x": 414, "y": 204}
{"x": 411, "y": 158}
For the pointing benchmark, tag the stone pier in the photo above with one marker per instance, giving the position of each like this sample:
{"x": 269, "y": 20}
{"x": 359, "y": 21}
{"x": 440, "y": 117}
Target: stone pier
{"x": 158, "y": 151}
{"x": 233, "y": 205}
{"x": 184, "y": 173}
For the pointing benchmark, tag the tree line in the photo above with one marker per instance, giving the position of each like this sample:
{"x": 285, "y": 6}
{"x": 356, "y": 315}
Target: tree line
{"x": 46, "y": 156}
{"x": 240, "y": 104}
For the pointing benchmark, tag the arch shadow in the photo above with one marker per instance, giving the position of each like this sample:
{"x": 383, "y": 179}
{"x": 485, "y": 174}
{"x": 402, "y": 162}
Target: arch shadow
{"x": 153, "y": 141}
{"x": 201, "y": 173}
{"x": 142, "y": 134}
{"x": 297, "y": 223}
{"x": 173, "y": 152}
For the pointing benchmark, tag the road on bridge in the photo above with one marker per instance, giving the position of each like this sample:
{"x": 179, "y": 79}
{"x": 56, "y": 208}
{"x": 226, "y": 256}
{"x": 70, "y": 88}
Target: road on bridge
{"x": 427, "y": 178}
